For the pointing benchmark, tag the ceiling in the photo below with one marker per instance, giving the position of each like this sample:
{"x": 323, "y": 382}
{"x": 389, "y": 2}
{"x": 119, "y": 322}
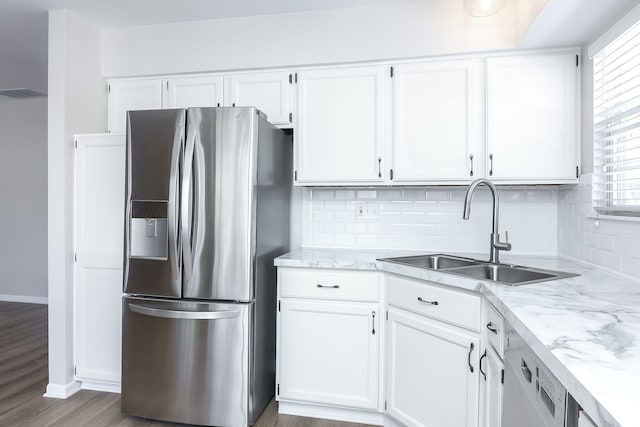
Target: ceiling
{"x": 23, "y": 24}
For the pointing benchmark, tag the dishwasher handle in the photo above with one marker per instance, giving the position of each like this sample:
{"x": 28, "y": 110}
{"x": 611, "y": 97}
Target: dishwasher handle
{"x": 180, "y": 314}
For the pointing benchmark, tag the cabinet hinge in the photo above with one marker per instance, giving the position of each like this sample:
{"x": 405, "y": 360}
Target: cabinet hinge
{"x": 295, "y": 175}
{"x": 391, "y": 174}
{"x": 385, "y": 405}
{"x": 75, "y": 143}
{"x": 290, "y": 79}
{"x": 75, "y": 257}
{"x": 391, "y": 71}
{"x": 296, "y": 77}
{"x": 577, "y": 172}
{"x": 387, "y": 314}
{"x": 577, "y": 60}
{"x": 278, "y": 391}
{"x": 75, "y": 370}
{"x": 279, "y": 306}
{"x": 290, "y": 117}
{"x": 502, "y": 377}
{"x": 108, "y": 88}
{"x": 167, "y": 84}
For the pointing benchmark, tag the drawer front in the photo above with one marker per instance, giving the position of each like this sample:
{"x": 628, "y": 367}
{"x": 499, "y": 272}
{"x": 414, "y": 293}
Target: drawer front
{"x": 329, "y": 284}
{"x": 450, "y": 305}
{"x": 494, "y": 329}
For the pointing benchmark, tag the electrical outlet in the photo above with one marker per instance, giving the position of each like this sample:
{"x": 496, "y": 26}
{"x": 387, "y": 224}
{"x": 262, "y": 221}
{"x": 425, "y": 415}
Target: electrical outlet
{"x": 367, "y": 211}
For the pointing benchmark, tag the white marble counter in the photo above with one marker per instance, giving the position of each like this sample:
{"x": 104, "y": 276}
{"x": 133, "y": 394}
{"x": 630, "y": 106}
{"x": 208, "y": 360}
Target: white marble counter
{"x": 586, "y": 329}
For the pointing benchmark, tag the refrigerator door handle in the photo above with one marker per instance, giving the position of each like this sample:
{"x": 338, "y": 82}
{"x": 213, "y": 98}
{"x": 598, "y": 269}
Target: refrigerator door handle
{"x": 178, "y": 314}
{"x": 185, "y": 204}
{"x": 173, "y": 207}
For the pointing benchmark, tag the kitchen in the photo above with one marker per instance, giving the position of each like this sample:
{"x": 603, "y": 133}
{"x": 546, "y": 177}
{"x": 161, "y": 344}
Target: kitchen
{"x": 541, "y": 220}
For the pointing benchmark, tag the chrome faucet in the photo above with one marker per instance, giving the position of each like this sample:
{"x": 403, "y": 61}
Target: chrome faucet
{"x": 496, "y": 244}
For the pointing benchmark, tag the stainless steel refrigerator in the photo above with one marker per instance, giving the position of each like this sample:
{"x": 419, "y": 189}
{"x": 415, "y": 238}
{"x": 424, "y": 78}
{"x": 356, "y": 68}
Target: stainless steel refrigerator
{"x": 207, "y": 210}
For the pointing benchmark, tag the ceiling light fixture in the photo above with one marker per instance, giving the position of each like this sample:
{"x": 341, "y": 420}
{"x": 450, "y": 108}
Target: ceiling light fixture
{"x": 482, "y": 7}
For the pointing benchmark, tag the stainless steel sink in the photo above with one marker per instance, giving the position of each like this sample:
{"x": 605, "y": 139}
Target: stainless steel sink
{"x": 434, "y": 262}
{"x": 512, "y": 275}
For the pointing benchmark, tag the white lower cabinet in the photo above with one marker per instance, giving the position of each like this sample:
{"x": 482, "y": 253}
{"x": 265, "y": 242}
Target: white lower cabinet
{"x": 432, "y": 372}
{"x": 493, "y": 369}
{"x": 329, "y": 353}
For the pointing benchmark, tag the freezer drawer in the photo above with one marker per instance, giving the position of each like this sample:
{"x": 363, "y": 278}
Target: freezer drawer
{"x": 186, "y": 362}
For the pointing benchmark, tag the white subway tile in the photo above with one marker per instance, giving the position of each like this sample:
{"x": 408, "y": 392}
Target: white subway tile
{"x": 345, "y": 215}
{"x": 367, "y": 194}
{"x": 323, "y": 216}
{"x": 333, "y": 227}
{"x": 355, "y": 228}
{"x": 613, "y": 261}
{"x": 345, "y": 240}
{"x": 606, "y": 243}
{"x": 321, "y": 194}
{"x": 334, "y": 205}
{"x": 345, "y": 195}
{"x": 438, "y": 195}
{"x": 390, "y": 194}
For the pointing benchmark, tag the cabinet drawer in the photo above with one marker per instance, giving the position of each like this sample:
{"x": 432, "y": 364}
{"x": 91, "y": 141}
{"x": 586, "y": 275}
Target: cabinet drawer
{"x": 494, "y": 324}
{"x": 329, "y": 284}
{"x": 452, "y": 306}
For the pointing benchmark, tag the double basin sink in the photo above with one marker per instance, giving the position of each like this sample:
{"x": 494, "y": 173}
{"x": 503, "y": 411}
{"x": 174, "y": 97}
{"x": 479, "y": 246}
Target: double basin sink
{"x": 512, "y": 275}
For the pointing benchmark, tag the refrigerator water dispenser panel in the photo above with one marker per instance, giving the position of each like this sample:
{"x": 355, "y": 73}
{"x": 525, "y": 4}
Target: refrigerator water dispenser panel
{"x": 149, "y": 232}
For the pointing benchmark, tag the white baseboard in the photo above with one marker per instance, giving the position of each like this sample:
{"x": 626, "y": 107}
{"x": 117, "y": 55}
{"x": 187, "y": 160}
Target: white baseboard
{"x": 24, "y": 298}
{"x": 62, "y": 391}
{"x": 331, "y": 413}
{"x": 100, "y": 386}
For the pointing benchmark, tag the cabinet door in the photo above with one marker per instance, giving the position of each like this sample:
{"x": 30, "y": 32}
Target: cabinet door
{"x": 341, "y": 125}
{"x": 269, "y": 92}
{"x": 99, "y": 195}
{"x": 493, "y": 368}
{"x": 437, "y": 112}
{"x": 432, "y": 372}
{"x": 125, "y": 95}
{"x": 200, "y": 91}
{"x": 532, "y": 118}
{"x": 328, "y": 353}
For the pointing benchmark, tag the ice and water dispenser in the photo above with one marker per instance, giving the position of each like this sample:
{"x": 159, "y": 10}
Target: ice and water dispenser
{"x": 149, "y": 232}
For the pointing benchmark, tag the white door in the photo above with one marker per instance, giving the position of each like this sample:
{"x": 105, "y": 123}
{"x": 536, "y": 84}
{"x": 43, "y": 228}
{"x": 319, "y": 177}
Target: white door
{"x": 437, "y": 112}
{"x": 328, "y": 353}
{"x": 340, "y": 127}
{"x": 125, "y": 95}
{"x": 432, "y": 372}
{"x": 532, "y": 118}
{"x": 269, "y": 92}
{"x": 99, "y": 212}
{"x": 199, "y": 91}
{"x": 493, "y": 368}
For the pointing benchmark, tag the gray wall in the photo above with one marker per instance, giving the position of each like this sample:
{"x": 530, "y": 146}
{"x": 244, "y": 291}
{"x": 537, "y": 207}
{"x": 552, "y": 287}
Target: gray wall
{"x": 23, "y": 199}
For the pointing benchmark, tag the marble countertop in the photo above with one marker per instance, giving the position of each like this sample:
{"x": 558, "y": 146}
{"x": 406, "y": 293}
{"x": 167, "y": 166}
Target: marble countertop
{"x": 586, "y": 329}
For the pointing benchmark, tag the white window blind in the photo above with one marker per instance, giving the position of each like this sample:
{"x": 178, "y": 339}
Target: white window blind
{"x": 616, "y": 177}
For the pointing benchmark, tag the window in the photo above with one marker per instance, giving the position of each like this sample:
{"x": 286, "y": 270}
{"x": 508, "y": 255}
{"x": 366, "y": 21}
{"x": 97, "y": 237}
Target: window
{"x": 616, "y": 75}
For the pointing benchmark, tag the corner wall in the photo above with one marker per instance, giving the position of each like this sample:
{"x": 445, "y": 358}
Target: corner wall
{"x": 23, "y": 190}
{"x": 77, "y": 104}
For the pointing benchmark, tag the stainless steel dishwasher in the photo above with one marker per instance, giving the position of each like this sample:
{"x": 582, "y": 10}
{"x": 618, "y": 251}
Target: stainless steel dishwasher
{"x": 533, "y": 397}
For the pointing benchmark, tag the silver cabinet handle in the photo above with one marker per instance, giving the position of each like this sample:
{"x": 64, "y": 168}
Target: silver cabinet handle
{"x": 471, "y": 171}
{"x": 490, "y": 164}
{"x": 492, "y": 328}
{"x": 173, "y": 208}
{"x": 471, "y": 347}
{"x": 328, "y": 286}
{"x": 373, "y": 323}
{"x": 484, "y": 374}
{"x": 379, "y": 167}
{"x": 179, "y": 314}
{"x": 427, "y": 302}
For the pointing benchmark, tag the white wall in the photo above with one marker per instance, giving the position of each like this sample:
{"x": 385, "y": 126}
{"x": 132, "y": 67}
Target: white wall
{"x": 77, "y": 104}
{"x": 401, "y": 30}
{"x": 23, "y": 191}
{"x": 430, "y": 219}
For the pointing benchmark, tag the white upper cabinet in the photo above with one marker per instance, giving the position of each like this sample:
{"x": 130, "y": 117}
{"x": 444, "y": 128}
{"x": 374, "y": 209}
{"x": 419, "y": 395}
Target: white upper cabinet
{"x": 437, "y": 113}
{"x": 341, "y": 125}
{"x": 198, "y": 91}
{"x": 269, "y": 92}
{"x": 532, "y": 118}
{"x": 125, "y": 95}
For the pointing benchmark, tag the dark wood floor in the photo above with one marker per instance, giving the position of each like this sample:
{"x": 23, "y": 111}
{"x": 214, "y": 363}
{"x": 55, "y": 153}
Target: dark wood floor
{"x": 23, "y": 379}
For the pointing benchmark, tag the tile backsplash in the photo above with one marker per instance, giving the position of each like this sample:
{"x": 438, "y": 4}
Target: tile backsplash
{"x": 429, "y": 219}
{"x": 609, "y": 243}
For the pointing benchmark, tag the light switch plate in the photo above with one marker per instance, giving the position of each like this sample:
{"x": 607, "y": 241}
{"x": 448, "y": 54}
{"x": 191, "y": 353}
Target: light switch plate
{"x": 367, "y": 211}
